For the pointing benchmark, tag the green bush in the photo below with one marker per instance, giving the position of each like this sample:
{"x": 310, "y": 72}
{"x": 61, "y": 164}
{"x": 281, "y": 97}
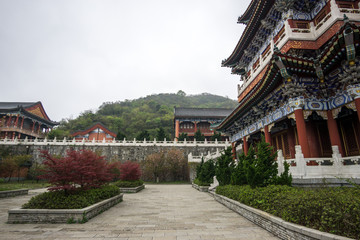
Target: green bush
{"x": 129, "y": 184}
{"x": 333, "y": 210}
{"x": 224, "y": 167}
{"x": 76, "y": 200}
{"x": 205, "y": 173}
{"x": 200, "y": 183}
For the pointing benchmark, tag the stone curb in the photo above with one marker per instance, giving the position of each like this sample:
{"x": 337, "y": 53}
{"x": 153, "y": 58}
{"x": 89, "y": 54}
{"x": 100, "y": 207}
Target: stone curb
{"x": 132, "y": 190}
{"x": 19, "y": 215}
{"x": 275, "y": 225}
{"x": 201, "y": 188}
{"x": 13, "y": 193}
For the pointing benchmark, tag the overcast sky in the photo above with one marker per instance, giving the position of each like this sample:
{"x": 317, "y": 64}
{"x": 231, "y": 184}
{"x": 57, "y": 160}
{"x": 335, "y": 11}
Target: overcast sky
{"x": 73, "y": 55}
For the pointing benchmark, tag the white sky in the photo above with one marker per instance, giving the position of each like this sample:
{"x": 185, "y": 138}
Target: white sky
{"x": 73, "y": 55}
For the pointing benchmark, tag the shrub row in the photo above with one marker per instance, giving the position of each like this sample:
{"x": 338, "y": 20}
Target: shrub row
{"x": 76, "y": 200}
{"x": 333, "y": 210}
{"x": 200, "y": 183}
{"x": 129, "y": 184}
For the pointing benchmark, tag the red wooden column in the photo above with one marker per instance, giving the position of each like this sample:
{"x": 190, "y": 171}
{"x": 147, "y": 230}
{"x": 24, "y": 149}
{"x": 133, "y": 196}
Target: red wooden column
{"x": 334, "y": 132}
{"x": 357, "y": 104}
{"x": 301, "y": 129}
{"x": 177, "y": 128}
{"x": 9, "y": 121}
{"x": 17, "y": 121}
{"x": 245, "y": 146}
{"x": 267, "y": 135}
{"x": 33, "y": 127}
{"x": 233, "y": 147}
{"x": 22, "y": 123}
{"x": 195, "y": 126}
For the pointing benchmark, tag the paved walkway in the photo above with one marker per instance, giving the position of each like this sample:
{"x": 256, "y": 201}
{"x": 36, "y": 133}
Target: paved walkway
{"x": 167, "y": 212}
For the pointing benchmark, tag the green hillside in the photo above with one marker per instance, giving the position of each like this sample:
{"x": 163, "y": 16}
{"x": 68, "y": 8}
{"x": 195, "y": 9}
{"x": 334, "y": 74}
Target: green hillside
{"x": 131, "y": 117}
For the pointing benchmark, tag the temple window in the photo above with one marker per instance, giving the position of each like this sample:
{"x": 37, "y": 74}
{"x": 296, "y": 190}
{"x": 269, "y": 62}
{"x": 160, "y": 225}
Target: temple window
{"x": 302, "y": 24}
{"x": 347, "y": 4}
{"x": 321, "y": 16}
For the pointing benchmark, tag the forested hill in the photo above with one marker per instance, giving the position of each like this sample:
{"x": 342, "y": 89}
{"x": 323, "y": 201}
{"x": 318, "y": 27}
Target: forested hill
{"x": 131, "y": 117}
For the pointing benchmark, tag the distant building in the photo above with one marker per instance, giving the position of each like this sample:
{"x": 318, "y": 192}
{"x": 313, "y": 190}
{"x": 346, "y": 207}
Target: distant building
{"x": 189, "y": 120}
{"x": 24, "y": 119}
{"x": 98, "y": 132}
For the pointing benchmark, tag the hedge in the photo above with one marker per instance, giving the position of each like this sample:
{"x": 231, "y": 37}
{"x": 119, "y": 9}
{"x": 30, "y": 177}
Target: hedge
{"x": 77, "y": 200}
{"x": 332, "y": 210}
{"x": 129, "y": 184}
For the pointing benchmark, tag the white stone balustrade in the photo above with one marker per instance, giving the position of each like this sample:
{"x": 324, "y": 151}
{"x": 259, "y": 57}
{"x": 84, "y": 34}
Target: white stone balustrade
{"x": 310, "y": 168}
{"x": 112, "y": 142}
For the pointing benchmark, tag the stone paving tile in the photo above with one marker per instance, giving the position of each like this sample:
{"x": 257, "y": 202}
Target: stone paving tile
{"x": 159, "y": 212}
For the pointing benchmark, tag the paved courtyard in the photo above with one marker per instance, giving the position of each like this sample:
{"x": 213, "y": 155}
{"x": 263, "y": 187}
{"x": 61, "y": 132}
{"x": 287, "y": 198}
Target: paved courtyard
{"x": 171, "y": 212}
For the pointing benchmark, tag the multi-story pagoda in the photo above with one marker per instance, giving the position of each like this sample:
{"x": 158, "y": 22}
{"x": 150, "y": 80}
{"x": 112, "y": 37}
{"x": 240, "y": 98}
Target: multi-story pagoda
{"x": 24, "y": 119}
{"x": 190, "y": 120}
{"x": 300, "y": 77}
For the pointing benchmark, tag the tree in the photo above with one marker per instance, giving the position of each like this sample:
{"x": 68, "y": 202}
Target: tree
{"x": 8, "y": 167}
{"x": 163, "y": 166}
{"x": 58, "y": 133}
{"x": 120, "y": 136}
{"x": 143, "y": 135}
{"x": 176, "y": 165}
{"x": 22, "y": 161}
{"x": 238, "y": 176}
{"x": 206, "y": 172}
{"x": 266, "y": 167}
{"x": 82, "y": 170}
{"x": 181, "y": 93}
{"x": 224, "y": 167}
{"x": 130, "y": 171}
{"x": 160, "y": 134}
{"x": 182, "y": 137}
{"x": 35, "y": 171}
{"x": 199, "y": 136}
{"x": 215, "y": 136}
{"x": 154, "y": 166}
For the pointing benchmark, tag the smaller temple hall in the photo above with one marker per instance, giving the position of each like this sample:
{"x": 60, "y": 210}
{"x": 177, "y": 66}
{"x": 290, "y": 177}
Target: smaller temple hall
{"x": 190, "y": 120}
{"x": 24, "y": 119}
{"x": 97, "y": 132}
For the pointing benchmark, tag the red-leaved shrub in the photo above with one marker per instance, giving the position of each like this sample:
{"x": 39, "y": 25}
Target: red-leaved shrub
{"x": 130, "y": 171}
{"x": 82, "y": 169}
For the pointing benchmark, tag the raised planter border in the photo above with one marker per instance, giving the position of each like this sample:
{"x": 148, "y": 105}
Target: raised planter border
{"x": 132, "y": 190}
{"x": 13, "y": 193}
{"x": 19, "y": 215}
{"x": 275, "y": 225}
{"x": 201, "y": 188}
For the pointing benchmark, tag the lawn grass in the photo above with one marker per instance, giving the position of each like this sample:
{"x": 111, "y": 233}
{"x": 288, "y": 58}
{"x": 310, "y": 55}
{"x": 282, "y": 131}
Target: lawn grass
{"x": 29, "y": 184}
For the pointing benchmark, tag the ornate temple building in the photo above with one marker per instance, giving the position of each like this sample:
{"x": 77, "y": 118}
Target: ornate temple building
{"x": 24, "y": 119}
{"x": 190, "y": 120}
{"x": 299, "y": 62}
{"x": 97, "y": 132}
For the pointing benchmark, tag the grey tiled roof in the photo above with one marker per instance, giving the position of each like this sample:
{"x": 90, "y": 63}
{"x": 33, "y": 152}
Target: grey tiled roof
{"x": 202, "y": 112}
{"x": 14, "y": 105}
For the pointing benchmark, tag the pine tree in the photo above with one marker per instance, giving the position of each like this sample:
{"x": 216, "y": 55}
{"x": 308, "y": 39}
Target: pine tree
{"x": 199, "y": 136}
{"x": 224, "y": 167}
{"x": 160, "y": 134}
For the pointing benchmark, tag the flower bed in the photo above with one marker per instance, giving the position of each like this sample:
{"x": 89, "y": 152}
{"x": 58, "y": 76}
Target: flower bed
{"x": 275, "y": 225}
{"x": 61, "y": 215}
{"x": 13, "y": 193}
{"x": 332, "y": 210}
{"x": 130, "y": 186}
